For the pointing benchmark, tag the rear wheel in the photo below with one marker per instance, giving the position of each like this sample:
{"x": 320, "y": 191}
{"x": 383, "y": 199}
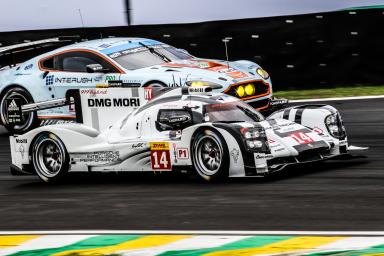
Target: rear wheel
{"x": 29, "y": 120}
{"x": 210, "y": 155}
{"x": 155, "y": 84}
{"x": 50, "y": 158}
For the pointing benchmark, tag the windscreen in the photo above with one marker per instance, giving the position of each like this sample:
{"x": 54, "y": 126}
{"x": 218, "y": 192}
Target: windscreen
{"x": 143, "y": 57}
{"x": 236, "y": 111}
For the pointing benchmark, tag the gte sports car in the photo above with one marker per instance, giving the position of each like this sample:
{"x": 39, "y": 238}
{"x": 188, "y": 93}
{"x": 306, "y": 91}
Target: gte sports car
{"x": 183, "y": 129}
{"x": 121, "y": 62}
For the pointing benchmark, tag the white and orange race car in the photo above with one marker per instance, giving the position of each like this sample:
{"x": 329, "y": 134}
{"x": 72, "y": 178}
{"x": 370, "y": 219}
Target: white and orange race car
{"x": 122, "y": 62}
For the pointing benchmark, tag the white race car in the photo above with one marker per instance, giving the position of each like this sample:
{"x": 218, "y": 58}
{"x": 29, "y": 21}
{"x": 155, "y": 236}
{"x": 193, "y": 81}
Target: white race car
{"x": 179, "y": 129}
{"x": 120, "y": 62}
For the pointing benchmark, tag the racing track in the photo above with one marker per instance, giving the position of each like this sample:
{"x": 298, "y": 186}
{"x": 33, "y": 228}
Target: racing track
{"x": 334, "y": 195}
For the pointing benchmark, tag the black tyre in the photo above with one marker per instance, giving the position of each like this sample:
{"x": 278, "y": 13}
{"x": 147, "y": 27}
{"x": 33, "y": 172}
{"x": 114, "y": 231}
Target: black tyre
{"x": 210, "y": 155}
{"x": 29, "y": 120}
{"x": 155, "y": 84}
{"x": 50, "y": 157}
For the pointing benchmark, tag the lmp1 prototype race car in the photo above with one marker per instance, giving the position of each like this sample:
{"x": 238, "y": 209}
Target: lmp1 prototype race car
{"x": 121, "y": 62}
{"x": 181, "y": 129}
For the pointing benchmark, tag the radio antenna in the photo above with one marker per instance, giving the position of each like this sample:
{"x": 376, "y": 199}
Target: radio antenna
{"x": 81, "y": 18}
{"x": 226, "y": 41}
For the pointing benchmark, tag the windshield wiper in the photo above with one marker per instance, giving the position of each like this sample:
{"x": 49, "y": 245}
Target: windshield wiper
{"x": 158, "y": 54}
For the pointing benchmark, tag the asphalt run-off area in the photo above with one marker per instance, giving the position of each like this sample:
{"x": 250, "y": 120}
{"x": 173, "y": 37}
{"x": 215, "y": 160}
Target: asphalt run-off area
{"x": 335, "y": 195}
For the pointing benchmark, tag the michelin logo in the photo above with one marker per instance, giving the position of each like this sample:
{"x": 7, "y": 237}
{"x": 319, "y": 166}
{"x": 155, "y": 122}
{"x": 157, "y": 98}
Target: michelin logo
{"x": 13, "y": 106}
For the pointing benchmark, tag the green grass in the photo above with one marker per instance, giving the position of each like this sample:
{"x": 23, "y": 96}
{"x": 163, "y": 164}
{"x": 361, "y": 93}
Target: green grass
{"x": 349, "y": 91}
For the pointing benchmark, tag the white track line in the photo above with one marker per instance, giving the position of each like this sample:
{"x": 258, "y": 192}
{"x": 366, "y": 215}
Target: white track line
{"x": 338, "y": 99}
{"x": 193, "y": 232}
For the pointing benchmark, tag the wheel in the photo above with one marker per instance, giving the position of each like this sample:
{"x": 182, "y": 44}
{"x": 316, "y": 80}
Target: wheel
{"x": 29, "y": 120}
{"x": 155, "y": 84}
{"x": 50, "y": 157}
{"x": 210, "y": 155}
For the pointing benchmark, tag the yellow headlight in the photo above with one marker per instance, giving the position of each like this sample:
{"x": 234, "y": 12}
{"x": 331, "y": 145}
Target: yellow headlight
{"x": 240, "y": 91}
{"x": 198, "y": 83}
{"x": 250, "y": 89}
{"x": 264, "y": 74}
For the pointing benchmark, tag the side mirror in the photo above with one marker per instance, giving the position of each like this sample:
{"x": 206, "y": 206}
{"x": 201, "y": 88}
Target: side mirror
{"x": 96, "y": 68}
{"x": 175, "y": 122}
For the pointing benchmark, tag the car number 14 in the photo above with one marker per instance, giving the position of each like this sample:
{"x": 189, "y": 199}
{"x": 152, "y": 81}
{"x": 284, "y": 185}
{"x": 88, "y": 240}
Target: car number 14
{"x": 301, "y": 138}
{"x": 160, "y": 156}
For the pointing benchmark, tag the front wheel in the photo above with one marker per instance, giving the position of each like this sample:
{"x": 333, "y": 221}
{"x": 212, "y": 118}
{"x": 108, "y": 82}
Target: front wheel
{"x": 50, "y": 158}
{"x": 210, "y": 155}
{"x": 8, "y": 100}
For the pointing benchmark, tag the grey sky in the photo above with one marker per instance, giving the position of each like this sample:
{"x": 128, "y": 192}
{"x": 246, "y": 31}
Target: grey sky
{"x": 45, "y": 14}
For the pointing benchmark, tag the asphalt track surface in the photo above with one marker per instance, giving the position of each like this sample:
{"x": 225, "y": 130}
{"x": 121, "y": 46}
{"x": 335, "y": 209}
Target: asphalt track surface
{"x": 329, "y": 196}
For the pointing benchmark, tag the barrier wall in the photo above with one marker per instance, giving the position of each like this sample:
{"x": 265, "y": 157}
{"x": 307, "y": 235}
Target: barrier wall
{"x": 301, "y": 51}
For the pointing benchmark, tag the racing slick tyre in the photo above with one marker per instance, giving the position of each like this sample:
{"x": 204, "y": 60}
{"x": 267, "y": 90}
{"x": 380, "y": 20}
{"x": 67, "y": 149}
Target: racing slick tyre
{"x": 155, "y": 84}
{"x": 210, "y": 155}
{"x": 50, "y": 157}
{"x": 29, "y": 120}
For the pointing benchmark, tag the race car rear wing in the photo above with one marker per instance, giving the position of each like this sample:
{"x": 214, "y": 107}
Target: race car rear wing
{"x": 17, "y": 53}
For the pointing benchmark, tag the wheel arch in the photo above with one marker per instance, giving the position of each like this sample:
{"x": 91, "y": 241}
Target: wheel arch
{"x": 154, "y": 81}
{"x": 10, "y": 86}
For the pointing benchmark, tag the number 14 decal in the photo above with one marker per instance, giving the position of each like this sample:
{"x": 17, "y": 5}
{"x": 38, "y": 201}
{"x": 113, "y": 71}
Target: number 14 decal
{"x": 301, "y": 138}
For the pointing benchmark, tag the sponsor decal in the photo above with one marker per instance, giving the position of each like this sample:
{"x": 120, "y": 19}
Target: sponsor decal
{"x": 148, "y": 93}
{"x": 182, "y": 153}
{"x": 318, "y": 130}
{"x": 235, "y": 153}
{"x": 14, "y": 114}
{"x": 28, "y": 67}
{"x": 212, "y": 66}
{"x": 110, "y": 78}
{"x": 138, "y": 146}
{"x": 22, "y": 151}
{"x": 301, "y": 138}
{"x": 122, "y": 102}
{"x": 105, "y": 46}
{"x": 21, "y": 141}
{"x": 115, "y": 83}
{"x": 103, "y": 156}
{"x": 196, "y": 90}
{"x": 262, "y": 156}
{"x": 13, "y": 106}
{"x": 51, "y": 79}
{"x": 45, "y": 122}
{"x": 92, "y": 91}
{"x": 160, "y": 156}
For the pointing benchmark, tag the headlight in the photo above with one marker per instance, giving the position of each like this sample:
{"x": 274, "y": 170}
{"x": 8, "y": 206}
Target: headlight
{"x": 249, "y": 89}
{"x": 240, "y": 91}
{"x": 261, "y": 72}
{"x": 196, "y": 83}
{"x": 245, "y": 91}
{"x": 335, "y": 126}
{"x": 255, "y": 138}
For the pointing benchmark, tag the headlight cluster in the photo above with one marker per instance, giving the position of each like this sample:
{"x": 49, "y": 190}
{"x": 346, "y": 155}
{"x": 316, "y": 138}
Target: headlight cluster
{"x": 261, "y": 72}
{"x": 255, "y": 138}
{"x": 335, "y": 126}
{"x": 248, "y": 90}
{"x": 245, "y": 90}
